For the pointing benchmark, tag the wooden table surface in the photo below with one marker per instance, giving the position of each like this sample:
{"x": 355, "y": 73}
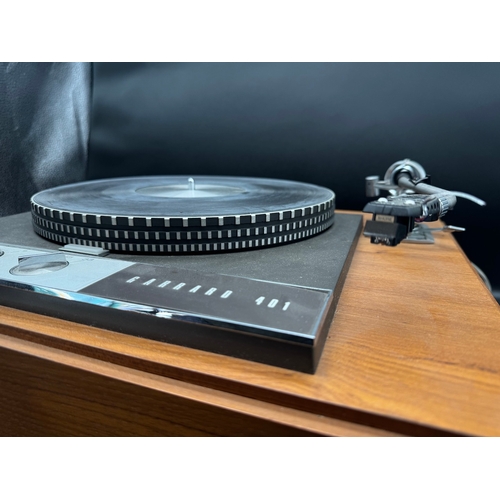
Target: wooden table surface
{"x": 414, "y": 349}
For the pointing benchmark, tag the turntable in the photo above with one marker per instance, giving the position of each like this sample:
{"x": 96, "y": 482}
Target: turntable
{"x": 245, "y": 267}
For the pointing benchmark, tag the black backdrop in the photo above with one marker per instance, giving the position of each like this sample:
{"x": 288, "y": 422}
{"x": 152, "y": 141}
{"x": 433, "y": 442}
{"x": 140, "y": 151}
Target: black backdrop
{"x": 44, "y": 129}
{"x": 327, "y": 123}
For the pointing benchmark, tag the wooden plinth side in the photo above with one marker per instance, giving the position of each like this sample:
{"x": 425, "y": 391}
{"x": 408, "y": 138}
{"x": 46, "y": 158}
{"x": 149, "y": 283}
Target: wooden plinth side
{"x": 414, "y": 349}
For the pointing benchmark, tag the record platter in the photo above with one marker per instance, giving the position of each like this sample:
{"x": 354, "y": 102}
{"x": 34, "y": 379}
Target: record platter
{"x": 179, "y": 215}
{"x": 245, "y": 267}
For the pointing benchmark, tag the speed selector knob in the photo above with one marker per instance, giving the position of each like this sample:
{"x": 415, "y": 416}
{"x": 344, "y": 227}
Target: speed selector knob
{"x": 31, "y": 265}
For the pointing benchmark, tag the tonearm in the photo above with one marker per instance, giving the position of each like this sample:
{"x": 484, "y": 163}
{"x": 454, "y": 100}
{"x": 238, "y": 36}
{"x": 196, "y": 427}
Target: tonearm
{"x": 412, "y": 200}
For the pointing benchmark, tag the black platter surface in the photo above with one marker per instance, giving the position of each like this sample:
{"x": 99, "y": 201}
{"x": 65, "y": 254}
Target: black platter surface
{"x": 181, "y": 214}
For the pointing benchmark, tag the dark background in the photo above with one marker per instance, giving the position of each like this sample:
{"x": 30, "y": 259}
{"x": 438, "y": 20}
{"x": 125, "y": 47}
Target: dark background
{"x": 326, "y": 123}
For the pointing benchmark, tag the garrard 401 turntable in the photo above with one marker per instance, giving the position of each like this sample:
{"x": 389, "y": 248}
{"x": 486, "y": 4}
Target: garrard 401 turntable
{"x": 246, "y": 267}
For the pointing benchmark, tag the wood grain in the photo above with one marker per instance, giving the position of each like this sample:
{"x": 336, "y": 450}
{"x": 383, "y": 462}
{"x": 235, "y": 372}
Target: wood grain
{"x": 48, "y": 392}
{"x": 414, "y": 349}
